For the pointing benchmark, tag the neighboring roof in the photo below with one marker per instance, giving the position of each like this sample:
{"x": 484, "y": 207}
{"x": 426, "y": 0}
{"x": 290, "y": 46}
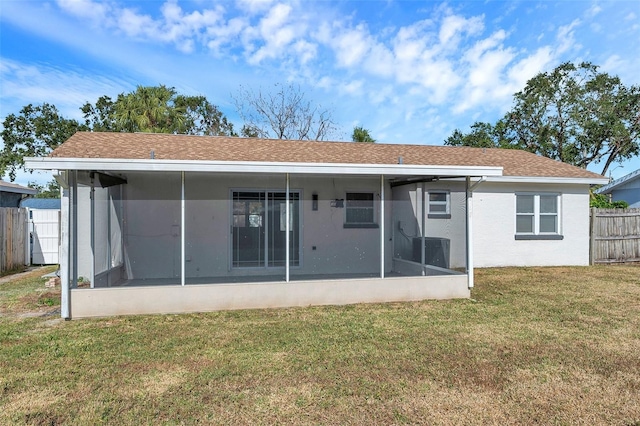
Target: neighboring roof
{"x": 144, "y": 146}
{"x": 14, "y": 187}
{"x": 41, "y": 203}
{"x": 606, "y": 189}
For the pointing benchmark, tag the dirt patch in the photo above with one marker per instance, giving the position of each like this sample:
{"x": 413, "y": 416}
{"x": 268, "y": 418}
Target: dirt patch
{"x": 31, "y": 272}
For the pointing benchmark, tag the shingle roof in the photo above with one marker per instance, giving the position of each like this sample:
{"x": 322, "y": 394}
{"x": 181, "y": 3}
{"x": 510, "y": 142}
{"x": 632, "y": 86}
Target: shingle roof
{"x": 221, "y": 148}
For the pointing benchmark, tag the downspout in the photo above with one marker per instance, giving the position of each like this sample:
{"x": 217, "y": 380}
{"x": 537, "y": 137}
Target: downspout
{"x": 470, "y": 189}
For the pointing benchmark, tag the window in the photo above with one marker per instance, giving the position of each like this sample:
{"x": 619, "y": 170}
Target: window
{"x": 439, "y": 202}
{"x": 537, "y": 216}
{"x": 360, "y": 211}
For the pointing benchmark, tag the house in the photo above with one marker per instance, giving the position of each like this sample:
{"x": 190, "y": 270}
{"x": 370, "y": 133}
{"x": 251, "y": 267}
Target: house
{"x": 44, "y": 229}
{"x": 627, "y": 188}
{"x": 11, "y": 194}
{"x": 159, "y": 223}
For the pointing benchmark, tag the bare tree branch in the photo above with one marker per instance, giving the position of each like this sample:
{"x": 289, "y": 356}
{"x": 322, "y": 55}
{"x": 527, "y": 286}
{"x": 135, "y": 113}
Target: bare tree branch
{"x": 282, "y": 114}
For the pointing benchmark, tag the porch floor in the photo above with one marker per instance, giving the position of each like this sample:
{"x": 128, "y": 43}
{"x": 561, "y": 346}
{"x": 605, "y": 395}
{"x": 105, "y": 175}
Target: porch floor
{"x": 247, "y": 279}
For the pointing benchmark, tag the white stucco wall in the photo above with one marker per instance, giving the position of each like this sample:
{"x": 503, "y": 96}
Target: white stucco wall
{"x": 494, "y": 242}
{"x": 494, "y": 227}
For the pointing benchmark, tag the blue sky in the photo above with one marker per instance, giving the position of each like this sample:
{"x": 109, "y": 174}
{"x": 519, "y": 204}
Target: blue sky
{"x": 409, "y": 71}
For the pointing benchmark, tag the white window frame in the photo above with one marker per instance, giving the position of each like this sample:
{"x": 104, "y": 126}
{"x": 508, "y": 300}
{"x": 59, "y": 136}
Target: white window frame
{"x": 373, "y": 223}
{"x": 537, "y": 234}
{"x": 447, "y": 203}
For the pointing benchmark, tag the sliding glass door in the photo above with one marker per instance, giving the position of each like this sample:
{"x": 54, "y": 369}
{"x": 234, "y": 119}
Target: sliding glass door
{"x": 259, "y": 229}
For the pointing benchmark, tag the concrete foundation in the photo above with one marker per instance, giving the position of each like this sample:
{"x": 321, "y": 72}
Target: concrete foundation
{"x": 100, "y": 302}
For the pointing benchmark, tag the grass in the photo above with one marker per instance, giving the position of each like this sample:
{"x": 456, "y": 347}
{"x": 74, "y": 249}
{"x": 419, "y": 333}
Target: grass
{"x": 534, "y": 345}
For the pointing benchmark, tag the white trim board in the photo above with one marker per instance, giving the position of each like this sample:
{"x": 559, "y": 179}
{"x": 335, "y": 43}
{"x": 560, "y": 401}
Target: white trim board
{"x": 389, "y": 170}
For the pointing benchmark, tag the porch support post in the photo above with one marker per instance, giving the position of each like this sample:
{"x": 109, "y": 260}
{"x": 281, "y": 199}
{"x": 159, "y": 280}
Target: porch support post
{"x": 183, "y": 259}
{"x": 469, "y": 233}
{"x": 286, "y": 229}
{"x": 93, "y": 234}
{"x": 74, "y": 227}
{"x": 108, "y": 259}
{"x": 65, "y": 216}
{"x": 423, "y": 224}
{"x": 382, "y": 226}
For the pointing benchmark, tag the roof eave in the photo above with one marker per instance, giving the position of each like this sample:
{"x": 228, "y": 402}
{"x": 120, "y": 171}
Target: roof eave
{"x": 25, "y": 191}
{"x": 618, "y": 182}
{"x": 549, "y": 179}
{"x": 155, "y": 165}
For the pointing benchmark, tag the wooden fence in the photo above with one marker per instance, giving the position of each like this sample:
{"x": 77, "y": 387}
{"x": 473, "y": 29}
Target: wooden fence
{"x": 615, "y": 235}
{"x": 13, "y": 238}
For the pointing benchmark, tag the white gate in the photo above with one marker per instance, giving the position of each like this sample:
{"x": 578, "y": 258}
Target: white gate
{"x": 45, "y": 236}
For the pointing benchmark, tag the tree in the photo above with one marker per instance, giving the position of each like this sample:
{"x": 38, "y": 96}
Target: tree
{"x": 51, "y": 190}
{"x": 574, "y": 114}
{"x": 150, "y": 109}
{"x": 601, "y": 201}
{"x": 34, "y": 132}
{"x": 100, "y": 117}
{"x": 482, "y": 135}
{"x": 283, "y": 114}
{"x": 360, "y": 134}
{"x": 37, "y": 130}
{"x": 201, "y": 117}
{"x": 157, "y": 109}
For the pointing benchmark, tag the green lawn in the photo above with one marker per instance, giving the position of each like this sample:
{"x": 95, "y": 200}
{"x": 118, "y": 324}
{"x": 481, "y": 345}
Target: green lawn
{"x": 533, "y": 345}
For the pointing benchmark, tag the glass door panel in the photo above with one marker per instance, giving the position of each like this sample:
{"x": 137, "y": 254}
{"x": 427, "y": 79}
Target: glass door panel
{"x": 248, "y": 229}
{"x": 277, "y": 229}
{"x": 259, "y": 224}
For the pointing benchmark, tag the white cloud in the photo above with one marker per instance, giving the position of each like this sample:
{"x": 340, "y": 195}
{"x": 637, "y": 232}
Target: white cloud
{"x": 566, "y": 37}
{"x": 380, "y": 61}
{"x": 306, "y": 51}
{"x": 594, "y": 10}
{"x": 352, "y": 87}
{"x": 596, "y": 27}
{"x": 86, "y": 9}
{"x": 453, "y": 26}
{"x": 612, "y": 64}
{"x": 183, "y": 30}
{"x": 351, "y": 45}
{"x": 135, "y": 25}
{"x": 276, "y": 35}
{"x": 528, "y": 67}
{"x": 27, "y": 83}
{"x": 255, "y": 6}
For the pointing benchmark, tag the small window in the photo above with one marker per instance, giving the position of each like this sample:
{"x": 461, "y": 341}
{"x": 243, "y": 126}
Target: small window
{"x": 537, "y": 216}
{"x": 360, "y": 211}
{"x": 439, "y": 205}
